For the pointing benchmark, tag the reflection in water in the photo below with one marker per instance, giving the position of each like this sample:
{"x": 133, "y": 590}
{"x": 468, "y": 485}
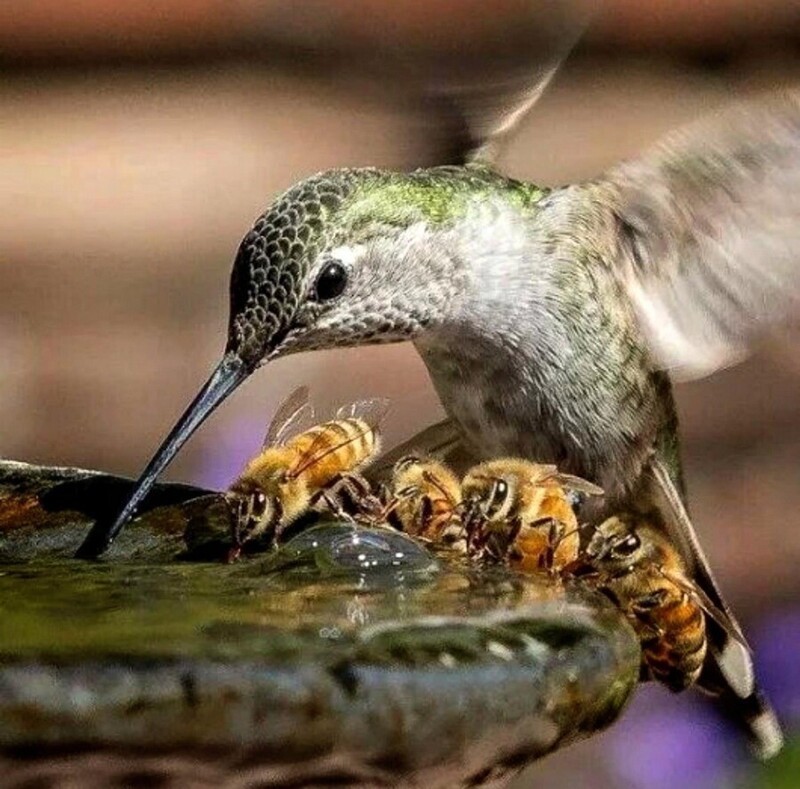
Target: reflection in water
{"x": 321, "y": 586}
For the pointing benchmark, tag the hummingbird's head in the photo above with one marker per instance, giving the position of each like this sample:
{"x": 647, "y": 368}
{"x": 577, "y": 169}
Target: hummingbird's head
{"x": 347, "y": 257}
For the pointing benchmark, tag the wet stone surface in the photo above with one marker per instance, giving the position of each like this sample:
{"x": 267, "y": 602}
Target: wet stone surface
{"x": 351, "y": 655}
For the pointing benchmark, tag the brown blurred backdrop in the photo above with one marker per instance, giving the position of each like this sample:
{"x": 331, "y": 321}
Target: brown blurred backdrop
{"x": 139, "y": 140}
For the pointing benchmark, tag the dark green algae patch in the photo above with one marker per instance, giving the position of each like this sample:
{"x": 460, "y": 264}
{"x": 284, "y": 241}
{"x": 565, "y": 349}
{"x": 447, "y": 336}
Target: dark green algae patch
{"x": 351, "y": 656}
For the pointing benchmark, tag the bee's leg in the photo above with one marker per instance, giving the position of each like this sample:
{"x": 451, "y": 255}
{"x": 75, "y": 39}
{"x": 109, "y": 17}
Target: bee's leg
{"x": 643, "y": 609}
{"x": 513, "y": 532}
{"x": 423, "y": 515}
{"x": 333, "y": 504}
{"x": 356, "y": 484}
{"x": 392, "y": 501}
{"x": 385, "y": 496}
{"x": 499, "y": 544}
{"x": 547, "y": 559}
{"x": 328, "y": 500}
{"x": 511, "y": 536}
{"x": 359, "y": 491}
{"x": 454, "y": 536}
{"x": 353, "y": 490}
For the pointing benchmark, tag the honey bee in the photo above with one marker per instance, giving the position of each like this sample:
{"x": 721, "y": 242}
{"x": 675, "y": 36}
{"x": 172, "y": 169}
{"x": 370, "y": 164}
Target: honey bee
{"x": 638, "y": 568}
{"x": 424, "y": 500}
{"x": 519, "y": 511}
{"x": 299, "y": 471}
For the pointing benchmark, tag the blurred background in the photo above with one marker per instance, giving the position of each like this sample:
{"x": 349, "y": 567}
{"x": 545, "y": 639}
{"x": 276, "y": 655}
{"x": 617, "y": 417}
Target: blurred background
{"x": 139, "y": 140}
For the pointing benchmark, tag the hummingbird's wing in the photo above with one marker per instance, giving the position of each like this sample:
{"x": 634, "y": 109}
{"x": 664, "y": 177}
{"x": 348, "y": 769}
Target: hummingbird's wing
{"x": 729, "y": 674}
{"x": 482, "y": 92}
{"x": 709, "y": 234}
{"x": 441, "y": 440}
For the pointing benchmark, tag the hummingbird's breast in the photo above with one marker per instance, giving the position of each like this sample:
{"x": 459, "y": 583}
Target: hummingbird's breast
{"x": 602, "y": 430}
{"x": 545, "y": 360}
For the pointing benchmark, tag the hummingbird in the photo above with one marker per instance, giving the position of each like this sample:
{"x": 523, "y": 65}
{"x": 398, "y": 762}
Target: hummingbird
{"x": 552, "y": 321}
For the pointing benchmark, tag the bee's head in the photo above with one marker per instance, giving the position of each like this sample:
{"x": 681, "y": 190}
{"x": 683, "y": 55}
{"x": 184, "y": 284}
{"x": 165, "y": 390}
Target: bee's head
{"x": 254, "y": 513}
{"x": 619, "y": 544}
{"x": 489, "y": 498}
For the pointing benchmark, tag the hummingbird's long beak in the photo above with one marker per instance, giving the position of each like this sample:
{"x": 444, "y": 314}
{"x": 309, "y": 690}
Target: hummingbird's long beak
{"x": 229, "y": 373}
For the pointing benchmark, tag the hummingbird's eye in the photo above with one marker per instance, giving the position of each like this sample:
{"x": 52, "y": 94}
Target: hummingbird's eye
{"x": 330, "y": 282}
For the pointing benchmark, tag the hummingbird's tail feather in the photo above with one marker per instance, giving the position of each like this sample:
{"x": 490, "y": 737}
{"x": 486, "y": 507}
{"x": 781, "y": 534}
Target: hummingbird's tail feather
{"x": 752, "y": 715}
{"x": 731, "y": 650}
{"x": 728, "y": 674}
{"x": 765, "y": 731}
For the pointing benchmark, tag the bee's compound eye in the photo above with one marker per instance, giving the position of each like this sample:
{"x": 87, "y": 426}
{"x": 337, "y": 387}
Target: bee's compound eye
{"x": 498, "y": 494}
{"x": 331, "y": 281}
{"x": 260, "y": 503}
{"x": 629, "y": 545}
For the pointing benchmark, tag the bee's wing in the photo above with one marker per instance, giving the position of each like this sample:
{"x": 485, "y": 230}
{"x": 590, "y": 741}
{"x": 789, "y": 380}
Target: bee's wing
{"x": 294, "y": 414}
{"x": 732, "y": 654}
{"x": 709, "y": 234}
{"x": 578, "y": 484}
{"x": 371, "y": 412}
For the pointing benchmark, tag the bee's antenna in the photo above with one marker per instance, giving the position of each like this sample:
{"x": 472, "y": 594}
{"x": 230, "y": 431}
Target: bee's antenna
{"x": 561, "y": 537}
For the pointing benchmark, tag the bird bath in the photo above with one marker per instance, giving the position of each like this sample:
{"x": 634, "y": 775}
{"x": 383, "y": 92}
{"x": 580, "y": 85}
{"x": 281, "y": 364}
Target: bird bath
{"x": 354, "y": 658}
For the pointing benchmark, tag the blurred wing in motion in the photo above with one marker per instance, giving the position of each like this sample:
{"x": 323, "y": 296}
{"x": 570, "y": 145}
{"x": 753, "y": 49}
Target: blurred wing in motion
{"x": 710, "y": 233}
{"x": 484, "y": 95}
{"x": 469, "y": 69}
{"x": 294, "y": 414}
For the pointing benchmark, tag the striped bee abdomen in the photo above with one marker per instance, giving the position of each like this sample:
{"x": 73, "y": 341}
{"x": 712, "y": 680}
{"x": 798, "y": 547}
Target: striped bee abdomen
{"x": 676, "y": 650}
{"x": 333, "y": 448}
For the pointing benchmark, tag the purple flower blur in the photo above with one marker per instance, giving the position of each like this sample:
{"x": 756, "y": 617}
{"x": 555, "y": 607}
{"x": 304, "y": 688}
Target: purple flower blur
{"x": 225, "y": 460}
{"x": 776, "y": 642}
{"x": 667, "y": 740}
